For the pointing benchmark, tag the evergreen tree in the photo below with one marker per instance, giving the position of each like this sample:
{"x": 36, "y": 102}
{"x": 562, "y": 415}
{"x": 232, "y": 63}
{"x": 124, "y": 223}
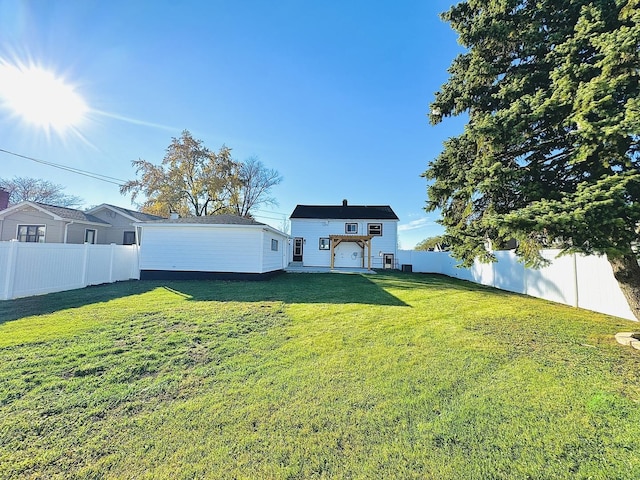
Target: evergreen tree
{"x": 550, "y": 154}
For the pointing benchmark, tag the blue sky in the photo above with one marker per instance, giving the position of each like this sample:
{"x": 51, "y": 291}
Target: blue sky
{"x": 334, "y": 95}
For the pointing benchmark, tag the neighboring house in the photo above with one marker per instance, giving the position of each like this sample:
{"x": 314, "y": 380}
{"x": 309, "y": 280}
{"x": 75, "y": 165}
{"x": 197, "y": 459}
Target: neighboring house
{"x": 42, "y": 223}
{"x": 344, "y": 236}
{"x": 216, "y": 246}
{"x": 122, "y": 220}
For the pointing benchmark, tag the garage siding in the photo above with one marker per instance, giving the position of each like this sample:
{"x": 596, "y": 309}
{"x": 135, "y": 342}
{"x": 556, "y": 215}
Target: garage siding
{"x": 201, "y": 248}
{"x": 274, "y": 259}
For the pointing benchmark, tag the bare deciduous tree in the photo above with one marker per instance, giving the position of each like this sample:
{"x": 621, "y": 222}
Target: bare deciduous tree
{"x": 38, "y": 190}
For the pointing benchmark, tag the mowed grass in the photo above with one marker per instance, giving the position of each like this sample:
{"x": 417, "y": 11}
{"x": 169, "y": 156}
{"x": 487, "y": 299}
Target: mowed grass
{"x": 392, "y": 375}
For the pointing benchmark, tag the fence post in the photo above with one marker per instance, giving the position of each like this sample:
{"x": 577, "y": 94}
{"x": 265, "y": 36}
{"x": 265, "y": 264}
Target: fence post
{"x": 85, "y": 265}
{"x": 576, "y": 300}
{"x": 111, "y": 258}
{"x": 10, "y": 274}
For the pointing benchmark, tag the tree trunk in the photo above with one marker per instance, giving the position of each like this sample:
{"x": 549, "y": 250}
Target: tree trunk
{"x": 626, "y": 270}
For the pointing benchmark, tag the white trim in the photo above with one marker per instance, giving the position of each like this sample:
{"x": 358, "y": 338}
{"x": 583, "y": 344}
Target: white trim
{"x": 19, "y": 206}
{"x": 95, "y": 236}
{"x": 113, "y": 209}
{"x": 18, "y": 225}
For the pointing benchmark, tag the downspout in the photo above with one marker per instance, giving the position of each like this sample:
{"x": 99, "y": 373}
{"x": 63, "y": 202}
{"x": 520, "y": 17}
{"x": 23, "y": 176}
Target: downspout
{"x": 66, "y": 230}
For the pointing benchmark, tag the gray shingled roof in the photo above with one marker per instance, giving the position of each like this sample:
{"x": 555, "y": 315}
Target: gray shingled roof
{"x": 143, "y": 217}
{"x": 70, "y": 213}
{"x": 345, "y": 212}
{"x": 209, "y": 220}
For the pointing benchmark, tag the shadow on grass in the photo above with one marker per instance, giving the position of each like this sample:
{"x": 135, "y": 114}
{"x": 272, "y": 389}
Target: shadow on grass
{"x": 287, "y": 288}
{"x": 409, "y": 281}
{"x": 291, "y": 288}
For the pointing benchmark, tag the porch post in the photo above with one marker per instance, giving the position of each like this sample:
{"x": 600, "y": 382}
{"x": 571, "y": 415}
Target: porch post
{"x": 331, "y": 240}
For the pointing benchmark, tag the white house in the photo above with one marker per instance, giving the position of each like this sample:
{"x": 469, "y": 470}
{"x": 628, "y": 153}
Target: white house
{"x": 217, "y": 246}
{"x": 344, "y": 235}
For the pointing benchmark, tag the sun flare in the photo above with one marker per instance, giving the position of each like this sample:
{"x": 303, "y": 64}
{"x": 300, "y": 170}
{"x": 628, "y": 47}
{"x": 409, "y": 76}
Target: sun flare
{"x": 40, "y": 97}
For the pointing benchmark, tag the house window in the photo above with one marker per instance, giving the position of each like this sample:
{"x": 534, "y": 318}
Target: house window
{"x": 89, "y": 236}
{"x": 129, "y": 238}
{"x": 324, "y": 244}
{"x": 351, "y": 228}
{"x": 31, "y": 233}
{"x": 374, "y": 229}
{"x": 274, "y": 244}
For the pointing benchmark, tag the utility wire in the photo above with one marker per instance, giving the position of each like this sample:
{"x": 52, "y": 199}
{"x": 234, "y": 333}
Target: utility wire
{"x": 97, "y": 176}
{"x": 108, "y": 179}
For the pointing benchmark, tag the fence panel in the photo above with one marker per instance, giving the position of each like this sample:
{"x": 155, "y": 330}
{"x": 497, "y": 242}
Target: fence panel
{"x": 556, "y": 281}
{"x": 576, "y": 280}
{"x": 597, "y": 286}
{"x": 37, "y": 268}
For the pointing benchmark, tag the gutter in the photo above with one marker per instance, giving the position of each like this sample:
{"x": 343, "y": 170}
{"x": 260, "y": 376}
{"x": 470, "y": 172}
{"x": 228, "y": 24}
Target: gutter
{"x": 66, "y": 230}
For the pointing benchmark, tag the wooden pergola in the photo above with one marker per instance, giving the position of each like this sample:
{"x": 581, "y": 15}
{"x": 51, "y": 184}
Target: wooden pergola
{"x": 362, "y": 240}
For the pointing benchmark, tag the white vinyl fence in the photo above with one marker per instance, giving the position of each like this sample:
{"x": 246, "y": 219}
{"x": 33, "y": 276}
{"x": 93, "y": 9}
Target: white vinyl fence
{"x": 576, "y": 280}
{"x": 36, "y": 268}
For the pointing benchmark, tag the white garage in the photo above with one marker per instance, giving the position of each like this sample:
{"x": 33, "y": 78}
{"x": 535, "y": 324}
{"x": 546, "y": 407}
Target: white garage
{"x": 216, "y": 246}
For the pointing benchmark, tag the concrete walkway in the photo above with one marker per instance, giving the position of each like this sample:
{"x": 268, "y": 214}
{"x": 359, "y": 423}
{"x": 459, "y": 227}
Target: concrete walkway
{"x": 298, "y": 269}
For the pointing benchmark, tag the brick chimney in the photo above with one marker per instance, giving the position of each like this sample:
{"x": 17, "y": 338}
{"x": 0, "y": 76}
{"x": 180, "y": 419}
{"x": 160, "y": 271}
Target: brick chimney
{"x": 4, "y": 199}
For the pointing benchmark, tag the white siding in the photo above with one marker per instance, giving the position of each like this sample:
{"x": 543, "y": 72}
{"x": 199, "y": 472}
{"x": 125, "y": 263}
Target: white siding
{"x": 201, "y": 248}
{"x": 274, "y": 260}
{"x": 348, "y": 254}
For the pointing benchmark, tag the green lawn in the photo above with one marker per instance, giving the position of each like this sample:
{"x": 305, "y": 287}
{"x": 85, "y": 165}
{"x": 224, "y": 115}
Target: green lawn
{"x": 314, "y": 376}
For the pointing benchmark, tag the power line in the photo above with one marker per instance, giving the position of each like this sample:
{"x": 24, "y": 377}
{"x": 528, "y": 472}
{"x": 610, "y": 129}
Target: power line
{"x": 96, "y": 176}
{"x": 108, "y": 179}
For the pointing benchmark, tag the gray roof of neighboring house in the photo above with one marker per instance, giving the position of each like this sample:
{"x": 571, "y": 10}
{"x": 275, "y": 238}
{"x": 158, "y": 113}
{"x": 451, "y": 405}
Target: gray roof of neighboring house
{"x": 209, "y": 220}
{"x": 345, "y": 212}
{"x": 141, "y": 216}
{"x": 70, "y": 213}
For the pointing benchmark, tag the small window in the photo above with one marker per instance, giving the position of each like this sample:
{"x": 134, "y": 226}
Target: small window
{"x": 374, "y": 229}
{"x": 129, "y": 238}
{"x": 274, "y": 244}
{"x": 351, "y": 228}
{"x": 324, "y": 244}
{"x": 89, "y": 236}
{"x": 31, "y": 233}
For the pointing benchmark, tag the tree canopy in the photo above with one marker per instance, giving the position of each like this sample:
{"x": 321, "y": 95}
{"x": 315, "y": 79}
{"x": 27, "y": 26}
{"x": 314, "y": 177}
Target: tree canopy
{"x": 195, "y": 181}
{"x": 550, "y": 153}
{"x": 38, "y": 190}
{"x": 253, "y": 186}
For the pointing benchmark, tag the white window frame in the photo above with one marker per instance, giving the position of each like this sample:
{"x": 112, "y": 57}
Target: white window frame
{"x": 39, "y": 238}
{"x": 379, "y": 225}
{"x": 274, "y": 245}
{"x": 347, "y": 229}
{"x": 324, "y": 243}
{"x": 95, "y": 235}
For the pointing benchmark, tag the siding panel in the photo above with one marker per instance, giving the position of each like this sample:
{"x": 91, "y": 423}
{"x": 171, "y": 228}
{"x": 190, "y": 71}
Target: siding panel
{"x": 201, "y": 248}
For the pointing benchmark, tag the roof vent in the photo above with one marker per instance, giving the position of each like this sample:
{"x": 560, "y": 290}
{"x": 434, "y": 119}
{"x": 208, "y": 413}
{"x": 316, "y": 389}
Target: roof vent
{"x": 173, "y": 216}
{"x": 344, "y": 202}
